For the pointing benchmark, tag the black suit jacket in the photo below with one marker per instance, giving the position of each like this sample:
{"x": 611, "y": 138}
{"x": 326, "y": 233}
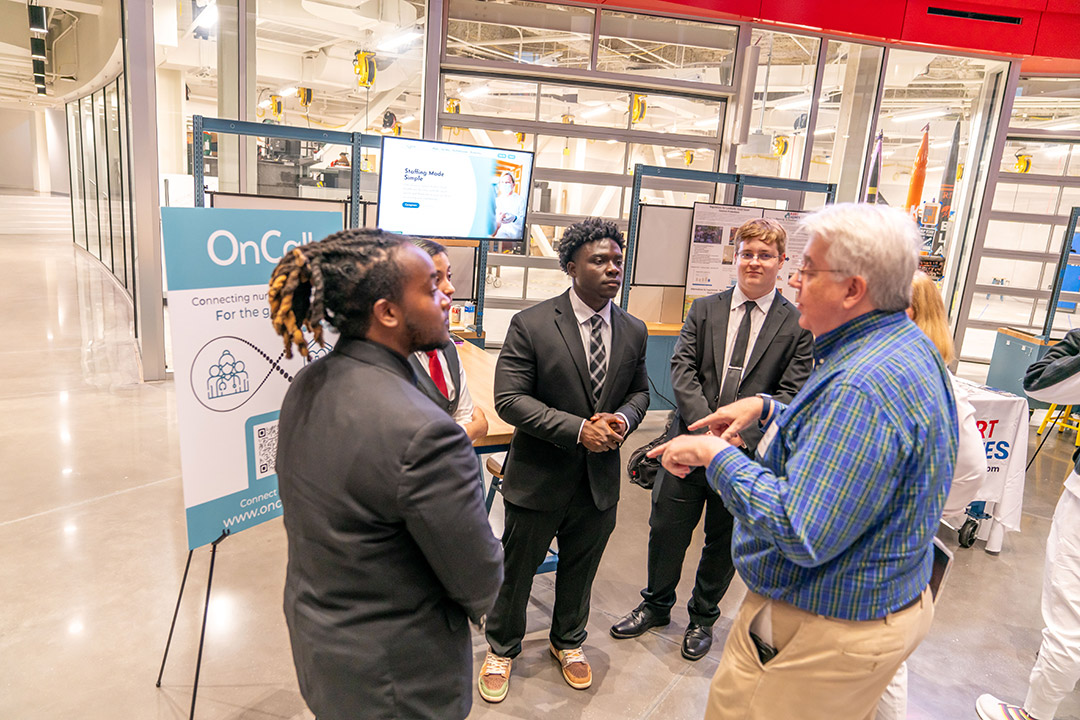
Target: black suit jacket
{"x": 779, "y": 363}
{"x": 390, "y": 551}
{"x": 542, "y": 388}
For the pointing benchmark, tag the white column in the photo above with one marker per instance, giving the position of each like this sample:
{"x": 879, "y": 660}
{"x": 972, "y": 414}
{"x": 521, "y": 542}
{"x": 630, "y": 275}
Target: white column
{"x": 143, "y": 130}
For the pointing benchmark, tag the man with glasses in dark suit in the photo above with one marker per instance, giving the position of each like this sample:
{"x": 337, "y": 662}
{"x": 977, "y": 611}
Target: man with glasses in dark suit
{"x": 733, "y": 344}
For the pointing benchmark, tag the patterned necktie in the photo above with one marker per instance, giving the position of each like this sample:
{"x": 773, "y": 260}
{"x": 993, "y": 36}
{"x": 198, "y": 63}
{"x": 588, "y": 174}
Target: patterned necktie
{"x": 435, "y": 368}
{"x": 730, "y": 389}
{"x": 597, "y": 358}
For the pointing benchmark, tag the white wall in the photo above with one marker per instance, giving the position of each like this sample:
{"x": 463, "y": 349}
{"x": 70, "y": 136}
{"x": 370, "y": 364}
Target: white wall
{"x": 56, "y": 139}
{"x": 16, "y": 139}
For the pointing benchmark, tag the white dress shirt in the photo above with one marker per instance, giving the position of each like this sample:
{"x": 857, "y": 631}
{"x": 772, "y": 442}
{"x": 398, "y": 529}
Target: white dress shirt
{"x": 464, "y": 412}
{"x": 735, "y": 318}
{"x": 583, "y": 313}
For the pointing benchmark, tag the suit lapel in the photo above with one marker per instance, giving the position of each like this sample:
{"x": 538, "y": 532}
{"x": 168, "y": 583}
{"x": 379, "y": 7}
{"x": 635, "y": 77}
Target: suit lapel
{"x": 423, "y": 379}
{"x": 567, "y": 323}
{"x": 618, "y": 349}
{"x": 721, "y": 310}
{"x": 773, "y": 320}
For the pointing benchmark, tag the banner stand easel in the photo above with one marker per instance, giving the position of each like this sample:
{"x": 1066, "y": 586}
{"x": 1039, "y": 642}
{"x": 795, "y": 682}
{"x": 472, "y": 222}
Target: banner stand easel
{"x": 202, "y": 633}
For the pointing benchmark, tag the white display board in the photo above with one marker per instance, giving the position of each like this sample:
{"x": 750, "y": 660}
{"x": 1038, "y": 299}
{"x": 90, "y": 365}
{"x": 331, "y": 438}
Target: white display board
{"x": 710, "y": 266}
{"x": 662, "y": 245}
{"x": 229, "y": 366}
{"x": 790, "y": 220}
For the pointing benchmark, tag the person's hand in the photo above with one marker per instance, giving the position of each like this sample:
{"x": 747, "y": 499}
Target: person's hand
{"x": 614, "y": 421}
{"x": 598, "y": 436}
{"x": 727, "y": 421}
{"x": 682, "y": 454}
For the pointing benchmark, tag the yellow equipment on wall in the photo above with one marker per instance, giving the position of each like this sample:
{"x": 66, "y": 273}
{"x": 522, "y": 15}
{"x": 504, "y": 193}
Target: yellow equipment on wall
{"x": 781, "y": 145}
{"x": 453, "y": 105}
{"x": 637, "y": 108}
{"x": 688, "y": 156}
{"x": 275, "y": 106}
{"x": 1023, "y": 163}
{"x": 364, "y": 68}
{"x": 304, "y": 95}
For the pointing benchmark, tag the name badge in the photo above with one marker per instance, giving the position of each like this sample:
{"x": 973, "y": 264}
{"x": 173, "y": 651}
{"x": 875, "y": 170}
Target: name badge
{"x": 767, "y": 438}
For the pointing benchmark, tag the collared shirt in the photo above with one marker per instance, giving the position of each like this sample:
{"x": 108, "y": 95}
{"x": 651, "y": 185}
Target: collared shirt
{"x": 839, "y": 517}
{"x": 583, "y": 314}
{"x": 463, "y": 414}
{"x": 735, "y": 317}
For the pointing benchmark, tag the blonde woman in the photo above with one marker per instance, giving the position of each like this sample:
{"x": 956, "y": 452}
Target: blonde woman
{"x": 928, "y": 312}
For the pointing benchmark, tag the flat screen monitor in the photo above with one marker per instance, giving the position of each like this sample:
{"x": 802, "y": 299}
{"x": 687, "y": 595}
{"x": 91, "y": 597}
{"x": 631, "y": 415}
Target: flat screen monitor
{"x": 443, "y": 190}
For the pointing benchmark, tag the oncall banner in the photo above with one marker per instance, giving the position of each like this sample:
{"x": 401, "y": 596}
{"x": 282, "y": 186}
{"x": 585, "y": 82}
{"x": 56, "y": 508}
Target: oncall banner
{"x": 229, "y": 365}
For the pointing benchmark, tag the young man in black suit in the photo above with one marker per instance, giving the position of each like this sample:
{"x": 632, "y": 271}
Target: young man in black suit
{"x": 571, "y": 379}
{"x": 733, "y": 344}
{"x": 390, "y": 551}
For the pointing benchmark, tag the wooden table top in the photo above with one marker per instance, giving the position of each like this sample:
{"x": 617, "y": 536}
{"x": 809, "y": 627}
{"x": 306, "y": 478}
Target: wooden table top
{"x": 480, "y": 372}
{"x": 663, "y": 328}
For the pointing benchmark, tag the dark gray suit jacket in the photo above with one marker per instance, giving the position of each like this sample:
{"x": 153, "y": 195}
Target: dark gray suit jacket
{"x": 542, "y": 388}
{"x": 390, "y": 551}
{"x": 779, "y": 363}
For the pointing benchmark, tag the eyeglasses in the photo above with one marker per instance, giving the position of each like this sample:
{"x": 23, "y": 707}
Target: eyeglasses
{"x": 811, "y": 272}
{"x": 762, "y": 257}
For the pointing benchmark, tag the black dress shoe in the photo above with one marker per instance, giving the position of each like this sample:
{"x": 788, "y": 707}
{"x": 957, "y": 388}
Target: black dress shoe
{"x": 637, "y": 622}
{"x": 696, "y": 642}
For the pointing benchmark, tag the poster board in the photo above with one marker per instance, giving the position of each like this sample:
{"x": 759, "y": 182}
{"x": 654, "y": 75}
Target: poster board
{"x": 790, "y": 220}
{"x": 712, "y": 263}
{"x": 229, "y": 366}
{"x": 662, "y": 246}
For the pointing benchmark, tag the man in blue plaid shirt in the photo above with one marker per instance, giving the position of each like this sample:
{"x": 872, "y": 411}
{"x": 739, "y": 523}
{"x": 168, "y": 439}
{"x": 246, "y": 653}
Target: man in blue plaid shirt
{"x": 835, "y": 521}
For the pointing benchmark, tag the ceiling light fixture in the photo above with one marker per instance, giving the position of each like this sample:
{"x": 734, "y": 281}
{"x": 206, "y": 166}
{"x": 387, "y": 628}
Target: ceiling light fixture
{"x": 36, "y": 14}
{"x": 824, "y": 131}
{"x": 475, "y": 92}
{"x": 596, "y": 112}
{"x": 287, "y": 91}
{"x": 407, "y": 119}
{"x": 391, "y": 44}
{"x": 920, "y": 115}
{"x": 37, "y": 48}
{"x": 793, "y": 103}
{"x": 1073, "y": 125}
{"x": 208, "y": 17}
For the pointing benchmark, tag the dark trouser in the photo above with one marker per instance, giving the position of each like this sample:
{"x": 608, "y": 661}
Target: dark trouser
{"x": 583, "y": 532}
{"x": 676, "y": 510}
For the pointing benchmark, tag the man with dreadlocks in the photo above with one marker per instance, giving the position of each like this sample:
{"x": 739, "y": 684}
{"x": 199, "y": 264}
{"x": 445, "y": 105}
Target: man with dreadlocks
{"x": 390, "y": 551}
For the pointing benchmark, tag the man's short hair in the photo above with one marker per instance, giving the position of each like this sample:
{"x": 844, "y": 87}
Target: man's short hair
{"x": 876, "y": 242}
{"x": 586, "y": 231}
{"x": 431, "y": 247}
{"x": 766, "y": 230}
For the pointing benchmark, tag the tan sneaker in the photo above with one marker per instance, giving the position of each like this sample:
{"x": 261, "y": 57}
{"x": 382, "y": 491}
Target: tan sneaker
{"x": 494, "y": 677}
{"x": 575, "y": 668}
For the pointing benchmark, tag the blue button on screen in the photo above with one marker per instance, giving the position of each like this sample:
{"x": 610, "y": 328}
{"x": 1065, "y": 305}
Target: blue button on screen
{"x": 410, "y": 204}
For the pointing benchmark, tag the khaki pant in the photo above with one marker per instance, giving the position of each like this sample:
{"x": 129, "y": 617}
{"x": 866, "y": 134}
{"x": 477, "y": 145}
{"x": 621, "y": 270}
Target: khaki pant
{"x": 826, "y": 668}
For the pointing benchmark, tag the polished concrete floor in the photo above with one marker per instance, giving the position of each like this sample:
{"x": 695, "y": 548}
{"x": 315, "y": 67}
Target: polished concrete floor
{"x": 93, "y": 546}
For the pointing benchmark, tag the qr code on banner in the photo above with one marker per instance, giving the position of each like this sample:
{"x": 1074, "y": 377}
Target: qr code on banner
{"x": 265, "y": 448}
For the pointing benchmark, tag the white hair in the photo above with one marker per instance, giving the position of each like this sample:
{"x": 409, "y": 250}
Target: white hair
{"x": 876, "y": 242}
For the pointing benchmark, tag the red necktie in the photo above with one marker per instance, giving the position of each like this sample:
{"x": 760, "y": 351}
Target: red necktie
{"x": 435, "y": 368}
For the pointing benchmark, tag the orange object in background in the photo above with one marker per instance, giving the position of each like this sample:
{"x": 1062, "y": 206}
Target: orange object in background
{"x": 918, "y": 172}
